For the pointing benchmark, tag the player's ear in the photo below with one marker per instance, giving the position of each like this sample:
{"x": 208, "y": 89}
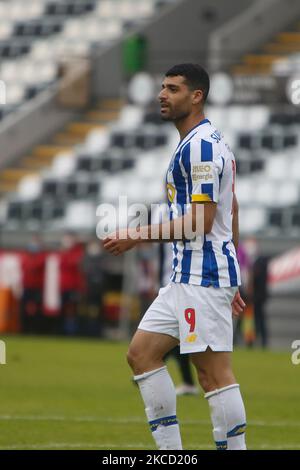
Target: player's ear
{"x": 197, "y": 97}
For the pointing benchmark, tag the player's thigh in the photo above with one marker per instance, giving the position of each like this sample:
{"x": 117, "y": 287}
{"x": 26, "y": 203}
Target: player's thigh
{"x": 148, "y": 347}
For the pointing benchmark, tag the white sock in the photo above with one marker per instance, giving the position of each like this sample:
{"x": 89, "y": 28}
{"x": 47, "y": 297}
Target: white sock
{"x": 158, "y": 392}
{"x": 228, "y": 417}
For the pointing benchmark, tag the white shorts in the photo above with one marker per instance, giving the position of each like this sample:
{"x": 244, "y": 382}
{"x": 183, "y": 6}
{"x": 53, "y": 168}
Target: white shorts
{"x": 197, "y": 316}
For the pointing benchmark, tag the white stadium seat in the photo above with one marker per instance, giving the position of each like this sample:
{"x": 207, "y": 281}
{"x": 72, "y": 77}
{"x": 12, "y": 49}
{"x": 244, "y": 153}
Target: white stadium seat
{"x": 63, "y": 165}
{"x": 287, "y": 194}
{"x": 9, "y": 71}
{"x": 258, "y": 117}
{"x": 106, "y": 9}
{"x": 81, "y": 215}
{"x": 237, "y": 118}
{"x": 244, "y": 191}
{"x": 294, "y": 167}
{"x": 30, "y": 187}
{"x": 6, "y": 28}
{"x": 14, "y": 93}
{"x": 97, "y": 141}
{"x": 252, "y": 220}
{"x": 130, "y": 117}
{"x": 111, "y": 188}
{"x": 264, "y": 193}
{"x": 277, "y": 166}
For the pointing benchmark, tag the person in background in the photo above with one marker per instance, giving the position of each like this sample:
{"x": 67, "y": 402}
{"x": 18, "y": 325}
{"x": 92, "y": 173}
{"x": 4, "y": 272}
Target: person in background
{"x": 92, "y": 268}
{"x": 71, "y": 282}
{"x": 33, "y": 266}
{"x": 244, "y": 330}
{"x": 260, "y": 296}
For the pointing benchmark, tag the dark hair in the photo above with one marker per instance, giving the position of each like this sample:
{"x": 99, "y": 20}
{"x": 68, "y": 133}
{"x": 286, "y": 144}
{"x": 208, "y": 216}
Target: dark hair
{"x": 195, "y": 76}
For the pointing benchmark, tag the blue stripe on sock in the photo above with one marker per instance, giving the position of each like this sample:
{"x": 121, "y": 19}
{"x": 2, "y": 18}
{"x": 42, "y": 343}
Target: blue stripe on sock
{"x": 237, "y": 430}
{"x": 165, "y": 421}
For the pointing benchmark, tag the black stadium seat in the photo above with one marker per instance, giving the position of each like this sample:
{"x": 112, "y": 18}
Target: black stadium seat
{"x": 93, "y": 189}
{"x": 51, "y": 188}
{"x": 68, "y": 8}
{"x": 246, "y": 141}
{"x": 295, "y": 219}
{"x": 276, "y": 218}
{"x": 290, "y": 140}
{"x": 41, "y": 27}
{"x": 15, "y": 211}
{"x": 13, "y": 49}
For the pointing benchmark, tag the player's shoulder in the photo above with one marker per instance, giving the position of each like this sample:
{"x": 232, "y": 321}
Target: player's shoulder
{"x": 208, "y": 133}
{"x": 208, "y": 141}
{"x": 211, "y": 136}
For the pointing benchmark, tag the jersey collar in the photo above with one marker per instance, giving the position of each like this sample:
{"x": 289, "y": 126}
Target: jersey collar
{"x": 188, "y": 135}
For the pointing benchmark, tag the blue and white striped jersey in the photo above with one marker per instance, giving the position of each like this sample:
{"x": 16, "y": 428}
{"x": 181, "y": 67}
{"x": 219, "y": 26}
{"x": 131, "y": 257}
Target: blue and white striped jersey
{"x": 202, "y": 169}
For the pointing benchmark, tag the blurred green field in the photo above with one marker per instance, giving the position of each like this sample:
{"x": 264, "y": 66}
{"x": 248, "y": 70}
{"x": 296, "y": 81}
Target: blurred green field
{"x": 78, "y": 394}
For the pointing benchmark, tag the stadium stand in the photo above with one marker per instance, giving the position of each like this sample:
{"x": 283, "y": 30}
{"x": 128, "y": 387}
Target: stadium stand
{"x": 34, "y": 39}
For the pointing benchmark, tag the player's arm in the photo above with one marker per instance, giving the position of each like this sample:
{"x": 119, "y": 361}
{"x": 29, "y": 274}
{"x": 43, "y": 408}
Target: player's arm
{"x": 238, "y": 304}
{"x": 198, "y": 221}
{"x": 235, "y": 222}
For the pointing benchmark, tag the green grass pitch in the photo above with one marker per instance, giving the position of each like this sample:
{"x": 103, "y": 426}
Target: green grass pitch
{"x": 78, "y": 394}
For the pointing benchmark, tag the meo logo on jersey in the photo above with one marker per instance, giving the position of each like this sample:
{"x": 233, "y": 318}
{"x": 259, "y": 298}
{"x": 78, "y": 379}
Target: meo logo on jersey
{"x": 202, "y": 172}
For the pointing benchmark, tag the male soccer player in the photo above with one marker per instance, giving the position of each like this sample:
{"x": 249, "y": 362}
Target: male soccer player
{"x": 195, "y": 308}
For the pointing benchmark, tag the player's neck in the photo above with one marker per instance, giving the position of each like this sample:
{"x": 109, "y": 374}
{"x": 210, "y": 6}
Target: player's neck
{"x": 185, "y": 125}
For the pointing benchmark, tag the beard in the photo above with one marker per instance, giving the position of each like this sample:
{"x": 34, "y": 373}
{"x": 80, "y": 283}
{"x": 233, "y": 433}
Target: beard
{"x": 174, "y": 116}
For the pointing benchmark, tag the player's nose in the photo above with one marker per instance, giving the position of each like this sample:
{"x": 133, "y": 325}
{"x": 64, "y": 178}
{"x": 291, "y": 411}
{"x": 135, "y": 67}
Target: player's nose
{"x": 162, "y": 95}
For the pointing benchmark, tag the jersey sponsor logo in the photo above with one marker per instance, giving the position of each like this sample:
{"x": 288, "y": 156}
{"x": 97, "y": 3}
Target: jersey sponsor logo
{"x": 171, "y": 191}
{"x": 202, "y": 172}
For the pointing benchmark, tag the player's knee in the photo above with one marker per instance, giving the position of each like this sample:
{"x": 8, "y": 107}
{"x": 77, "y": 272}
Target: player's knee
{"x": 213, "y": 379}
{"x": 134, "y": 357}
{"x": 131, "y": 357}
{"x": 206, "y": 380}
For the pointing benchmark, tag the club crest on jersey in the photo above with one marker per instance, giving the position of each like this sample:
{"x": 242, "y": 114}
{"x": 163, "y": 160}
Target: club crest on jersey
{"x": 171, "y": 192}
{"x": 216, "y": 136}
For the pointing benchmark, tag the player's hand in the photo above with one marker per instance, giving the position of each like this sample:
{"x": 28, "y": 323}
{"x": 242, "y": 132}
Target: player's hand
{"x": 118, "y": 242}
{"x": 237, "y": 304}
